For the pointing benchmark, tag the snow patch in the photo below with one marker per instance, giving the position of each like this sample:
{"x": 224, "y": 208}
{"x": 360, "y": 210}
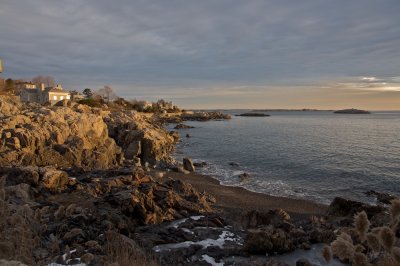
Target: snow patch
{"x": 175, "y": 224}
{"x": 220, "y": 242}
{"x": 211, "y": 260}
{"x": 65, "y": 255}
{"x": 196, "y": 218}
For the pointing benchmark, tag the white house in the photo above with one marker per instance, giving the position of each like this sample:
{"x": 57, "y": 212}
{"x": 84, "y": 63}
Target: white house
{"x": 44, "y": 95}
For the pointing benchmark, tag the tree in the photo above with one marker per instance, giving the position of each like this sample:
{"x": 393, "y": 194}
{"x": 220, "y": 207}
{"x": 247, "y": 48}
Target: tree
{"x": 88, "y": 93}
{"x": 9, "y": 86}
{"x": 107, "y": 93}
{"x": 2, "y": 84}
{"x": 48, "y": 81}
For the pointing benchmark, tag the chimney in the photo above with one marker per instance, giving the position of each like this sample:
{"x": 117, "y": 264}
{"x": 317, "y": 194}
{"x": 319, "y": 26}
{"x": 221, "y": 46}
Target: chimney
{"x": 42, "y": 86}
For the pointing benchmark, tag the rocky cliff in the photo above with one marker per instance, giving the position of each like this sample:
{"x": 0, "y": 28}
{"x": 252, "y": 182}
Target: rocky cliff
{"x": 78, "y": 136}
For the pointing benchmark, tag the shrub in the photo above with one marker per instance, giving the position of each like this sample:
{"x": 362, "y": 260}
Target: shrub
{"x": 92, "y": 102}
{"x": 125, "y": 252}
{"x": 374, "y": 245}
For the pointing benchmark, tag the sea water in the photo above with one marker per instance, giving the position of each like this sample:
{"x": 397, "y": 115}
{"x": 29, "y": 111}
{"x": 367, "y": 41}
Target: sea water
{"x": 314, "y": 155}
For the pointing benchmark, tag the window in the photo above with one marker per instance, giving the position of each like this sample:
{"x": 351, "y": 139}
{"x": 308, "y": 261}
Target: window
{"x": 61, "y": 97}
{"x": 68, "y": 97}
{"x": 54, "y": 97}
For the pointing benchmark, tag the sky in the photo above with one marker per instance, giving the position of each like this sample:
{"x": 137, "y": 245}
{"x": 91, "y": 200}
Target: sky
{"x": 212, "y": 53}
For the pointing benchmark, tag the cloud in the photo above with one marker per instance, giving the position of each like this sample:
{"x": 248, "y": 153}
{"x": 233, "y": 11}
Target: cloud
{"x": 200, "y": 46}
{"x": 370, "y": 79}
{"x": 370, "y": 84}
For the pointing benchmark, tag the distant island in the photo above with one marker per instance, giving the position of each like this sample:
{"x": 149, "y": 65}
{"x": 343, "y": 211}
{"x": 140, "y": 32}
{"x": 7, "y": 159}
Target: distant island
{"x": 253, "y": 114}
{"x": 351, "y": 111}
{"x": 286, "y": 110}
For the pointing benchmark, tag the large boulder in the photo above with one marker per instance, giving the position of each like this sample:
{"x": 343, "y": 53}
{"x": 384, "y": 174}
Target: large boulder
{"x": 54, "y": 179}
{"x": 188, "y": 165}
{"x": 133, "y": 150}
{"x": 341, "y": 207}
{"x": 268, "y": 241}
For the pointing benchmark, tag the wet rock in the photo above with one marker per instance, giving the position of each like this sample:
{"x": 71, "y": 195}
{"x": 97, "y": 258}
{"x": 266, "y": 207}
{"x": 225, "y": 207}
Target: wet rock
{"x": 385, "y": 198}
{"x": 244, "y": 177}
{"x": 234, "y": 164}
{"x": 202, "y": 164}
{"x": 188, "y": 165}
{"x": 188, "y": 135}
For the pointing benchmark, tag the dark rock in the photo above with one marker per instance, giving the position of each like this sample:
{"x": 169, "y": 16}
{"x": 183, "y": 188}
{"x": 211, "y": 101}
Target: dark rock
{"x": 254, "y": 114}
{"x": 351, "y": 111}
{"x": 385, "y": 198}
{"x": 343, "y": 207}
{"x": 303, "y": 262}
{"x": 204, "y": 116}
{"x": 234, "y": 164}
{"x": 188, "y": 165}
{"x": 17, "y": 175}
{"x": 255, "y": 219}
{"x": 244, "y": 177}
{"x": 202, "y": 164}
{"x": 182, "y": 126}
{"x": 180, "y": 169}
{"x": 87, "y": 258}
{"x": 188, "y": 136}
{"x": 269, "y": 241}
{"x": 133, "y": 150}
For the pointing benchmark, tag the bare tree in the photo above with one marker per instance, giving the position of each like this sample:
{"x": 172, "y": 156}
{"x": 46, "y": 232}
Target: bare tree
{"x": 107, "y": 93}
{"x": 48, "y": 81}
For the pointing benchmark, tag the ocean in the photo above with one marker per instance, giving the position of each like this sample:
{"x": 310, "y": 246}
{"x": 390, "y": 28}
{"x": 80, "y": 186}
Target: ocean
{"x": 313, "y": 155}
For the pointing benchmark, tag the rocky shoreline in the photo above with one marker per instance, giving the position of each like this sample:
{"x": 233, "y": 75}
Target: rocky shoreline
{"x": 99, "y": 187}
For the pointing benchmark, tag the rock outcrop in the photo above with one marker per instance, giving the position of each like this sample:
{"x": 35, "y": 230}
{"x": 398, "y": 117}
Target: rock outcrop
{"x": 79, "y": 136}
{"x": 67, "y": 218}
{"x": 140, "y": 137}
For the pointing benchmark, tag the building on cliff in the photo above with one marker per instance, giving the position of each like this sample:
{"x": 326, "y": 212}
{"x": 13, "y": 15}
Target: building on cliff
{"x": 44, "y": 95}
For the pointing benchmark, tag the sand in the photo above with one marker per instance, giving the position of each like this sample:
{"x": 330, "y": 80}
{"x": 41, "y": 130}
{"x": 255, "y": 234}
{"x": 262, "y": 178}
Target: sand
{"x": 236, "y": 200}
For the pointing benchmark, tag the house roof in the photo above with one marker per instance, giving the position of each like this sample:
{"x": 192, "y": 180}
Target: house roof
{"x": 54, "y": 89}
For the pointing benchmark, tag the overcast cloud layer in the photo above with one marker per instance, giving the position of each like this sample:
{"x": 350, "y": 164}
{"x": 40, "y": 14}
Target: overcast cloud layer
{"x": 212, "y": 53}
